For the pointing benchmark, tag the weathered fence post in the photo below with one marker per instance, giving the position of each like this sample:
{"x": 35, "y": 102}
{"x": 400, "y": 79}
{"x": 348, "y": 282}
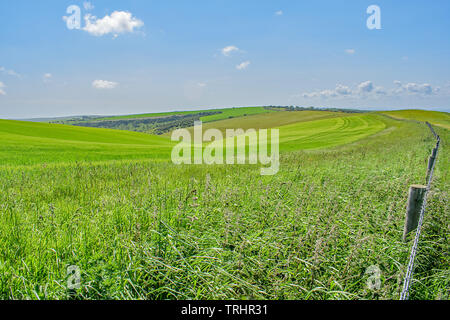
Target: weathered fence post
{"x": 415, "y": 200}
{"x": 432, "y": 129}
{"x": 431, "y": 161}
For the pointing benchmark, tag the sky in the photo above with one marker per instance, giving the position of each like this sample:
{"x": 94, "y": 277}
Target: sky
{"x": 139, "y": 56}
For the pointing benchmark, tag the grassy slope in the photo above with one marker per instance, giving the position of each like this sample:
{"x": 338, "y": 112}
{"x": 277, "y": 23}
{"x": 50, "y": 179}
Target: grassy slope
{"x": 329, "y": 132}
{"x": 31, "y": 143}
{"x": 153, "y": 230}
{"x": 312, "y": 129}
{"x": 432, "y": 272}
{"x": 235, "y": 112}
{"x": 158, "y": 231}
{"x": 268, "y": 120}
{"x": 441, "y": 119}
{"x": 432, "y": 266}
{"x": 225, "y": 114}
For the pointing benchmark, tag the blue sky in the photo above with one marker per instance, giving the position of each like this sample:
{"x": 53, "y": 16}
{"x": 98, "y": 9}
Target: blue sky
{"x": 152, "y": 56}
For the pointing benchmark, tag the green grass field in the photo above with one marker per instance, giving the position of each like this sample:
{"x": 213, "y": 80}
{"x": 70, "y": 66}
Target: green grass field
{"x": 25, "y": 143}
{"x": 224, "y": 114}
{"x": 268, "y": 120}
{"x": 139, "y": 227}
{"x": 437, "y": 118}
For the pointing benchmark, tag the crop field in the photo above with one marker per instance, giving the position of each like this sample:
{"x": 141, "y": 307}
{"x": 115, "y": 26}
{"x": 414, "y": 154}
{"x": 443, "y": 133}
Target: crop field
{"x": 268, "y": 120}
{"x": 139, "y": 227}
{"x": 162, "y": 123}
{"x": 437, "y": 118}
{"x": 221, "y": 114}
{"x": 26, "y": 143}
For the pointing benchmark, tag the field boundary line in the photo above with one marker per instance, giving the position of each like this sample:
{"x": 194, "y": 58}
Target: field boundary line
{"x": 410, "y": 270}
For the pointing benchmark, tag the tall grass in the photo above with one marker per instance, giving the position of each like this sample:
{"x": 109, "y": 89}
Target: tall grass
{"x": 153, "y": 230}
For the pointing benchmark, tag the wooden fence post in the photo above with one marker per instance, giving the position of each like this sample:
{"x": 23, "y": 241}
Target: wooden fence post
{"x": 415, "y": 200}
{"x": 432, "y": 129}
{"x": 434, "y": 152}
{"x": 431, "y": 162}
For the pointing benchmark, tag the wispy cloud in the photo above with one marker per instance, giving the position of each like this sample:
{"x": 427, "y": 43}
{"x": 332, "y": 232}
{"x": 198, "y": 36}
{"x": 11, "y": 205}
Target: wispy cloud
{"x": 350, "y": 51}
{"x": 116, "y": 23}
{"x": 242, "y": 66}
{"x": 415, "y": 88}
{"x": 343, "y": 90}
{"x": 47, "y": 77}
{"x": 88, "y": 6}
{"x": 104, "y": 84}
{"x": 365, "y": 87}
{"x": 279, "y": 13}
{"x": 227, "y": 51}
{"x": 369, "y": 89}
{"x": 9, "y": 72}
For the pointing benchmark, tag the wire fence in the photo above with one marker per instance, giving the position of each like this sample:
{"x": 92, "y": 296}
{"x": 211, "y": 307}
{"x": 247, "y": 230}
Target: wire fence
{"x": 410, "y": 270}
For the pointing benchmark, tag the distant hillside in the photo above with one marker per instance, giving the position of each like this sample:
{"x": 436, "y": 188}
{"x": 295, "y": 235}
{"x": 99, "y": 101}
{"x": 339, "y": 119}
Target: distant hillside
{"x": 160, "y": 123}
{"x": 441, "y": 119}
{"x": 27, "y": 143}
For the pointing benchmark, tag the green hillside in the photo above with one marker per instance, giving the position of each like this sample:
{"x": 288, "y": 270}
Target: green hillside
{"x": 269, "y": 120}
{"x": 329, "y": 132}
{"x": 111, "y": 203}
{"x": 32, "y": 143}
{"x": 224, "y": 113}
{"x": 441, "y": 119}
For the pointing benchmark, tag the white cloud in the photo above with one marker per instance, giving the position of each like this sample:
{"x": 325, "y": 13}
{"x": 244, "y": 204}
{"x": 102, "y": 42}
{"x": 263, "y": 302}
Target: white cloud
{"x": 343, "y": 90}
{"x": 9, "y": 72}
{"x": 380, "y": 91}
{"x": 279, "y": 13}
{"x": 242, "y": 66}
{"x": 103, "y": 84}
{"x": 365, "y": 87}
{"x": 88, "y": 6}
{"x": 47, "y": 77}
{"x": 340, "y": 90}
{"x": 201, "y": 84}
{"x": 368, "y": 89}
{"x": 419, "y": 88}
{"x": 321, "y": 94}
{"x": 228, "y": 50}
{"x": 2, "y": 92}
{"x": 350, "y": 51}
{"x": 328, "y": 94}
{"x": 413, "y": 88}
{"x": 117, "y": 22}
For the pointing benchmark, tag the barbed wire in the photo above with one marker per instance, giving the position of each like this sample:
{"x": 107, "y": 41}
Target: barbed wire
{"x": 410, "y": 270}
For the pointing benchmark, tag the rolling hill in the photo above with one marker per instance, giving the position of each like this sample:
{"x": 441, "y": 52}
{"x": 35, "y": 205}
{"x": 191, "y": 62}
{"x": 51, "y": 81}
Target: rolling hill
{"x": 143, "y": 228}
{"x": 224, "y": 113}
{"x": 437, "y": 118}
{"x": 31, "y": 143}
